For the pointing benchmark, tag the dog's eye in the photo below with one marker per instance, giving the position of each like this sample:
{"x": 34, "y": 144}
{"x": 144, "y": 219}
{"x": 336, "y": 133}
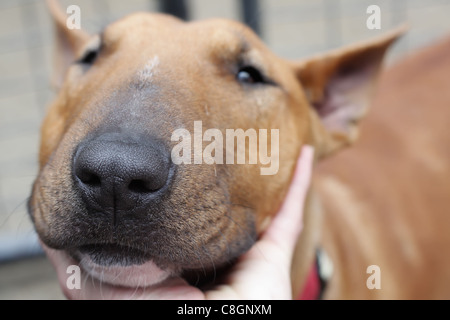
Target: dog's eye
{"x": 250, "y": 75}
{"x": 89, "y": 57}
{"x": 91, "y": 51}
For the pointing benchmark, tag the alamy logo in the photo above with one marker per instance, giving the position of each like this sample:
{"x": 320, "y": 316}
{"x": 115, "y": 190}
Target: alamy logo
{"x": 374, "y": 280}
{"x": 74, "y": 280}
{"x": 74, "y": 19}
{"x": 374, "y": 20}
{"x": 234, "y": 149}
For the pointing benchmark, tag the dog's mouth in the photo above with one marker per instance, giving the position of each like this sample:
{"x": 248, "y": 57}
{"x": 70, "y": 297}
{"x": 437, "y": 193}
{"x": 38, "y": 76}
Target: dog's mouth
{"x": 111, "y": 254}
{"x": 119, "y": 265}
{"x": 126, "y": 266}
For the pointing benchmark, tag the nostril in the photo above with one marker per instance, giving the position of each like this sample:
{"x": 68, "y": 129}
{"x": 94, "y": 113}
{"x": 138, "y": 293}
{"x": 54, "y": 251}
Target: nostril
{"x": 116, "y": 172}
{"x": 140, "y": 186}
{"x": 89, "y": 178}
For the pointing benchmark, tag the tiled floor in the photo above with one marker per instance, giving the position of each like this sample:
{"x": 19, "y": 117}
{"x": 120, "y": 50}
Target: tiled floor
{"x": 292, "y": 28}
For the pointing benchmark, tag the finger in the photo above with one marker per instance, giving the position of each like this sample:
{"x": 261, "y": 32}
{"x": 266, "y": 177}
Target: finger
{"x": 287, "y": 224}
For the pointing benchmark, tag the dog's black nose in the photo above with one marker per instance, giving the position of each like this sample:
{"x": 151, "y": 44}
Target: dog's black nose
{"x": 119, "y": 173}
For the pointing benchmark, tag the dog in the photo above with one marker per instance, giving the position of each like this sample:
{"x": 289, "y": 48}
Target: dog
{"x": 107, "y": 191}
{"x": 386, "y": 199}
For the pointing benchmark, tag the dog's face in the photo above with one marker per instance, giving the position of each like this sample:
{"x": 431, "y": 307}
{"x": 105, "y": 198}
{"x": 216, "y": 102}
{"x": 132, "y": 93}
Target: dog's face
{"x": 108, "y": 191}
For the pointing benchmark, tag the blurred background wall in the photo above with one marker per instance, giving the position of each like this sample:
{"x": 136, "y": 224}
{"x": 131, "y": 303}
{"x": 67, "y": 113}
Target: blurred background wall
{"x": 291, "y": 28}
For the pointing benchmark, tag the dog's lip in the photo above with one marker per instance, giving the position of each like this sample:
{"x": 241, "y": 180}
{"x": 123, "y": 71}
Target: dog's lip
{"x": 110, "y": 254}
{"x": 134, "y": 275}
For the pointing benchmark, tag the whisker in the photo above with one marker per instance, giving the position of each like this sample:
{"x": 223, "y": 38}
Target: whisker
{"x": 101, "y": 284}
{"x": 13, "y": 212}
{"x": 136, "y": 289}
{"x": 200, "y": 260}
{"x": 205, "y": 249}
{"x": 86, "y": 277}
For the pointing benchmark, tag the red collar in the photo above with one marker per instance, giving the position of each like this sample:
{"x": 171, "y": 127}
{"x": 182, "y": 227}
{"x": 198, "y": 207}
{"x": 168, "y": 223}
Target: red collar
{"x": 312, "y": 288}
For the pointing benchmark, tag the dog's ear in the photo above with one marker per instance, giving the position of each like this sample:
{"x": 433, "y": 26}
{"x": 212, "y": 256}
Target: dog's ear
{"x": 68, "y": 42}
{"x": 339, "y": 85}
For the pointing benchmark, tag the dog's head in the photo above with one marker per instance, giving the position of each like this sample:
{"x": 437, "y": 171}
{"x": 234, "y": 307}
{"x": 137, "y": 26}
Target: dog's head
{"x": 147, "y": 90}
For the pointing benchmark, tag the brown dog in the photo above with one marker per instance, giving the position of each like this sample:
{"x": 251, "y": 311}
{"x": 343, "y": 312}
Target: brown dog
{"x": 107, "y": 191}
{"x": 388, "y": 197}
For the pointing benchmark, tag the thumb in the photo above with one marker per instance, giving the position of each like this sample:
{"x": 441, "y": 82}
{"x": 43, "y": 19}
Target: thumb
{"x": 288, "y": 223}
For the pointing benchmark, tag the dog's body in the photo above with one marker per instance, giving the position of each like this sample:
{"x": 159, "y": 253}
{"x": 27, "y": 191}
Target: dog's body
{"x": 387, "y": 199}
{"x": 107, "y": 192}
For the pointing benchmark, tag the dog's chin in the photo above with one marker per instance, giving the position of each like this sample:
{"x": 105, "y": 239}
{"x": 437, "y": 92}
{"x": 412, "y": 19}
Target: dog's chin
{"x": 128, "y": 270}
